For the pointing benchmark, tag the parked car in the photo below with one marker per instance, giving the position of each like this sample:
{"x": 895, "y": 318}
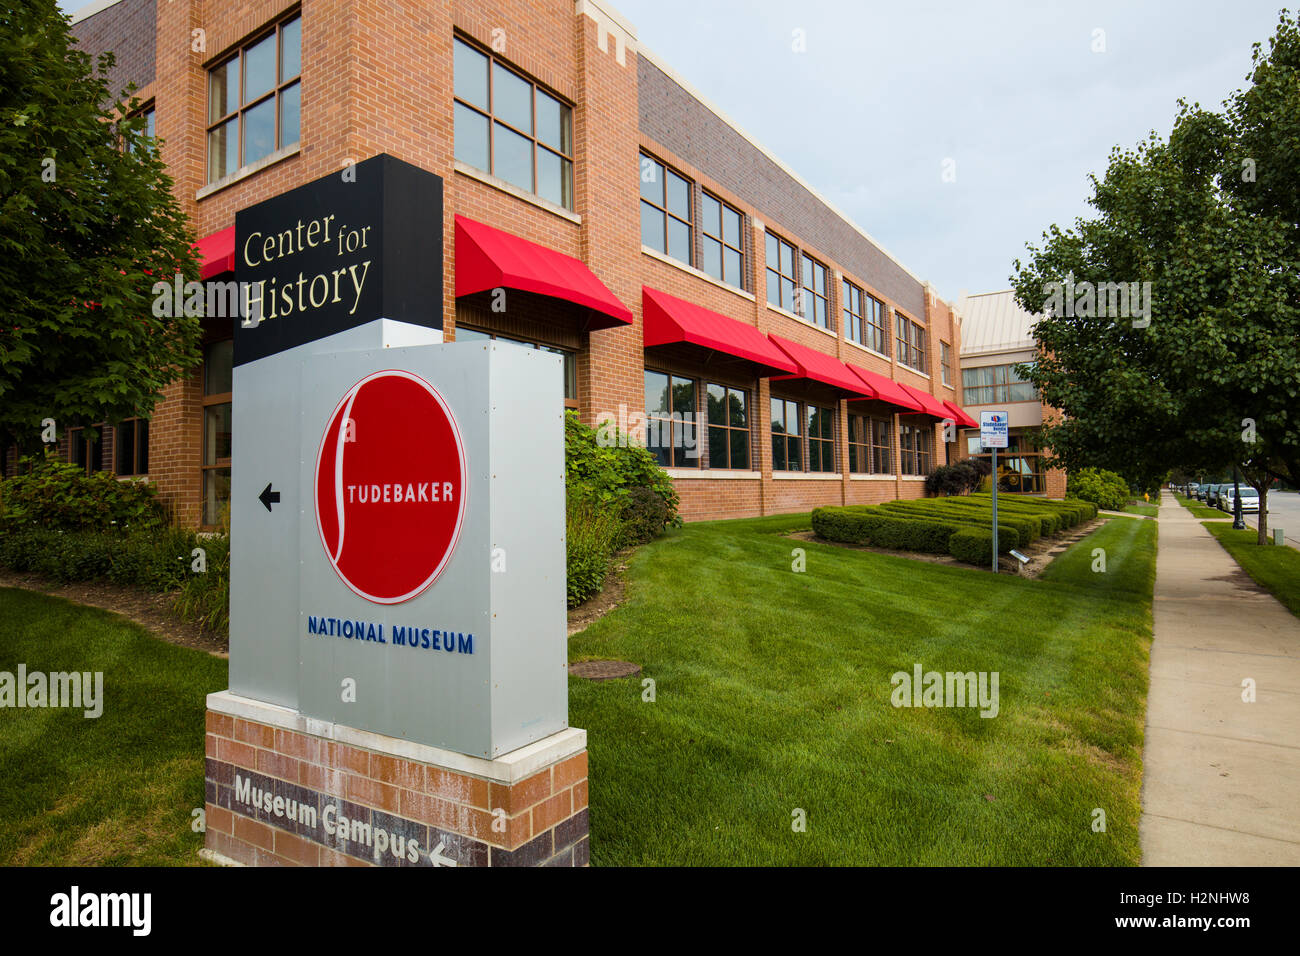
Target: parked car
{"x": 1193, "y": 490}
{"x": 1212, "y": 496}
{"x": 1249, "y": 499}
{"x": 1208, "y": 495}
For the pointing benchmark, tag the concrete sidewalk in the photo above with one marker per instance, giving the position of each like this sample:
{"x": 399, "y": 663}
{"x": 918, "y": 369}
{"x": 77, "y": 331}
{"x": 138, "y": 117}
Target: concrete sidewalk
{"x": 1221, "y": 777}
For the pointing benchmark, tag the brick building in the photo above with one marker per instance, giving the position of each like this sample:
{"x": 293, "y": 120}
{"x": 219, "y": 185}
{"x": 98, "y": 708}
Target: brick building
{"x": 782, "y": 358}
{"x": 998, "y": 337}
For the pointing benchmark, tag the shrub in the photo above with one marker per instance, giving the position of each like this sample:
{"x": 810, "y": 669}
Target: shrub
{"x": 603, "y": 468}
{"x": 591, "y": 533}
{"x": 973, "y": 546}
{"x": 865, "y": 525}
{"x": 960, "y": 478}
{"x": 58, "y": 496}
{"x": 645, "y": 513}
{"x": 1105, "y": 489}
{"x": 156, "y": 560}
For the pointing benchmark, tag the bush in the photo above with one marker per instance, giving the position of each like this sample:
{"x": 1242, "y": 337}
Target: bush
{"x": 153, "y": 560}
{"x": 644, "y": 516}
{"x": 58, "y": 496}
{"x": 591, "y": 534}
{"x": 1105, "y": 489}
{"x": 603, "y": 468}
{"x": 960, "y": 478}
{"x": 866, "y": 525}
{"x": 973, "y": 546}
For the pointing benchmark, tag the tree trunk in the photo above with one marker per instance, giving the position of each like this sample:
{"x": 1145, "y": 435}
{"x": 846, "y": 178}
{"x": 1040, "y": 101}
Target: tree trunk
{"x": 1263, "y": 512}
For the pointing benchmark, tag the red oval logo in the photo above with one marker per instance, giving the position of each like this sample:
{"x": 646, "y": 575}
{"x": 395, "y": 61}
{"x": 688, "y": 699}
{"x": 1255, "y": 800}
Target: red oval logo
{"x": 390, "y": 487}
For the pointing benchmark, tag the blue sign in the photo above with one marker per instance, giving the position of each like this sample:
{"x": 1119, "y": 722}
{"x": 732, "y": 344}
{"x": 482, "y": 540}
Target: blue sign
{"x": 993, "y": 429}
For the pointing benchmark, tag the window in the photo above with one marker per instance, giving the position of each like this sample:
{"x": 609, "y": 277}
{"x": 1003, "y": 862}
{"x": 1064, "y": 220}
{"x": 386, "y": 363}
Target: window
{"x": 464, "y": 334}
{"x": 255, "y": 100}
{"x": 914, "y": 449}
{"x": 864, "y": 319}
{"x": 131, "y": 447}
{"x": 992, "y": 384}
{"x": 945, "y": 362}
{"x": 671, "y": 434}
{"x": 216, "y": 430}
{"x": 816, "y": 300}
{"x": 868, "y": 446}
{"x": 86, "y": 452}
{"x": 721, "y": 246}
{"x": 821, "y": 438}
{"x": 728, "y": 427}
{"x": 510, "y": 127}
{"x": 665, "y": 211}
{"x": 785, "y": 436}
{"x": 911, "y": 342}
{"x": 781, "y": 278}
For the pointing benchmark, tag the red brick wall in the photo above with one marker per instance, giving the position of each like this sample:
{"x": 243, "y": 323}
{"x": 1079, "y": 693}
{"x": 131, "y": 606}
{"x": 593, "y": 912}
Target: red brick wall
{"x": 378, "y": 77}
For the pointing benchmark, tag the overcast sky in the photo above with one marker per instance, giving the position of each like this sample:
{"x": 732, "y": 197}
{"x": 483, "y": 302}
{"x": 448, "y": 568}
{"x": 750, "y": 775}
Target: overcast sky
{"x": 1011, "y": 92}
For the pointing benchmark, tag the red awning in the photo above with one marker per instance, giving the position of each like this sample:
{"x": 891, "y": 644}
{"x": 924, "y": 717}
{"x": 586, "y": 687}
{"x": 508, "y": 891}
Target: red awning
{"x": 886, "y": 389}
{"x": 216, "y": 253}
{"x": 818, "y": 366}
{"x": 488, "y": 258}
{"x": 929, "y": 404}
{"x": 669, "y": 320}
{"x": 961, "y": 418}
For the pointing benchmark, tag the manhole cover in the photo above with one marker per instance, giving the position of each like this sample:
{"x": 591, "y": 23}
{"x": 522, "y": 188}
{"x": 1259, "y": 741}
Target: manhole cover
{"x": 604, "y": 670}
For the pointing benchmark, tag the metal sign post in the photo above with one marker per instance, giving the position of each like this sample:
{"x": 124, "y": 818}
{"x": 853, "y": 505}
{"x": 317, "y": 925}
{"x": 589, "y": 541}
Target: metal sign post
{"x": 993, "y": 434}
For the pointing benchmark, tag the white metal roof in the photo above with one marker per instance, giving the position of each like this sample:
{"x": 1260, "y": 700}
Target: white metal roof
{"x": 993, "y": 322}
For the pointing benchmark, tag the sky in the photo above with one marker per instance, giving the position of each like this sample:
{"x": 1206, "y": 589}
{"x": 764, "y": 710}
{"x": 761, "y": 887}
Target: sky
{"x": 1011, "y": 92}
{"x": 952, "y": 132}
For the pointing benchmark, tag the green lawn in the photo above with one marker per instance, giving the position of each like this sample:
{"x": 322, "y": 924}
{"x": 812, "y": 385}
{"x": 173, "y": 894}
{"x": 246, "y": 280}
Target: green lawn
{"x": 113, "y": 790}
{"x": 1200, "y": 509}
{"x": 772, "y": 694}
{"x": 1141, "y": 508}
{"x": 1275, "y": 569}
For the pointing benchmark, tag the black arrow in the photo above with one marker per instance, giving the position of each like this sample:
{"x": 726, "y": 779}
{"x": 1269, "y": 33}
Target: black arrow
{"x": 269, "y": 497}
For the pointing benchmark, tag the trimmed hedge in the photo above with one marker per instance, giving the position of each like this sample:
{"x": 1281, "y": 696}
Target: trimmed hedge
{"x": 1027, "y": 528}
{"x": 960, "y": 526}
{"x": 867, "y": 525}
{"x": 155, "y": 560}
{"x": 973, "y": 546}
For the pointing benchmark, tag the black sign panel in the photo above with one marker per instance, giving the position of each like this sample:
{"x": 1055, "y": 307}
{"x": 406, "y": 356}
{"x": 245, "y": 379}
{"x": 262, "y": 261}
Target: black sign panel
{"x": 361, "y": 244}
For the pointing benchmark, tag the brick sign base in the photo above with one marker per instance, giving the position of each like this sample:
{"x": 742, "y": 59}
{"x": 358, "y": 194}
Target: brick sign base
{"x": 286, "y": 790}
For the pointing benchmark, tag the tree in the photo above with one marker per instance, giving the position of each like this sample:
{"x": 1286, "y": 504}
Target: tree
{"x": 1205, "y": 370}
{"x": 88, "y": 223}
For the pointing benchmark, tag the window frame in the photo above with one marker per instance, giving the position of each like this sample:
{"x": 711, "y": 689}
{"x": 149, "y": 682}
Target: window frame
{"x": 688, "y": 462}
{"x": 278, "y": 88}
{"x": 137, "y": 426}
{"x": 538, "y": 144}
{"x": 909, "y": 336}
{"x": 825, "y": 445}
{"x": 915, "y": 449}
{"x": 668, "y": 215}
{"x": 211, "y": 400}
{"x": 810, "y": 296}
{"x": 785, "y": 437}
{"x": 727, "y": 428}
{"x": 726, "y": 207}
{"x": 792, "y": 277}
{"x": 877, "y": 456}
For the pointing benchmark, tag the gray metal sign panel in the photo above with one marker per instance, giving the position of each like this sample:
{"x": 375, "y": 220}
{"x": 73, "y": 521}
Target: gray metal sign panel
{"x": 473, "y": 661}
